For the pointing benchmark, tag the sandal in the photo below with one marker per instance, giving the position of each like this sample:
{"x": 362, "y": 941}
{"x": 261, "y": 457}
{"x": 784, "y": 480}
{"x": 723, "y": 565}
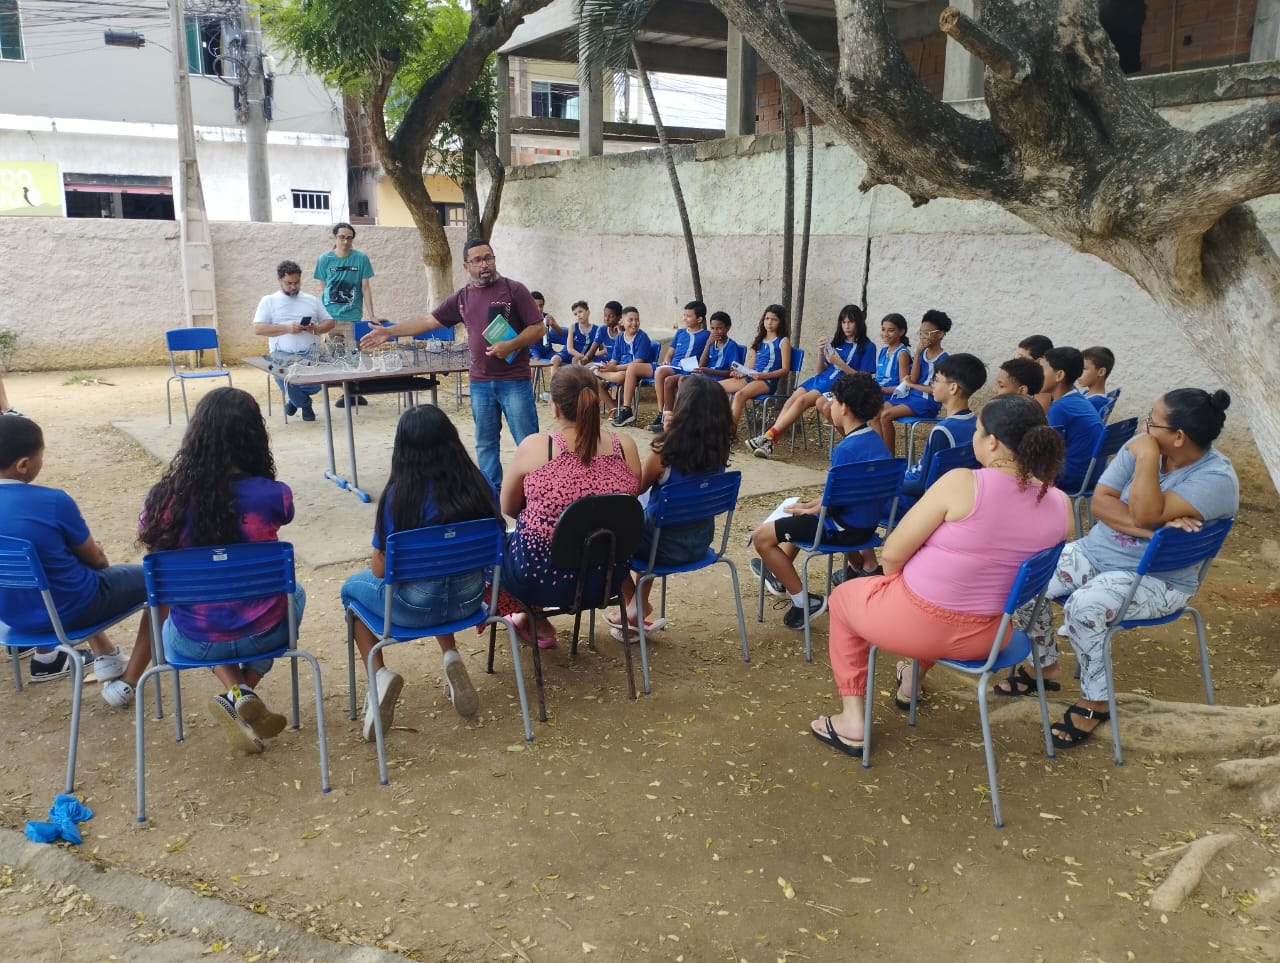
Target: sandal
{"x": 1067, "y": 735}
{"x": 1022, "y": 683}
{"x": 833, "y": 739}
{"x": 899, "y": 672}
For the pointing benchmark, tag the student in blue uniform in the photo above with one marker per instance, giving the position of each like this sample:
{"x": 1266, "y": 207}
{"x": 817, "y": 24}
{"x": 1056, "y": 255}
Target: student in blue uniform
{"x": 1071, "y": 414}
{"x": 687, "y": 343}
{"x": 768, "y": 361}
{"x": 631, "y": 345}
{"x": 912, "y": 398}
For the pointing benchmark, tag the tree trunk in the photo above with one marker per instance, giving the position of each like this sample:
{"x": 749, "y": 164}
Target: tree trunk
{"x": 437, "y": 259}
{"x": 470, "y": 194}
{"x": 788, "y": 209}
{"x": 669, "y": 159}
{"x": 807, "y": 224}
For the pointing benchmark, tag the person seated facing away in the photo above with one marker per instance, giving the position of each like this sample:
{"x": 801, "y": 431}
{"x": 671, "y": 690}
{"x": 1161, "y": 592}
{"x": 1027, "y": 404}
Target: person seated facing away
{"x": 768, "y": 362}
{"x": 955, "y": 379}
{"x": 912, "y": 398}
{"x": 1099, "y": 362}
{"x": 1071, "y": 414}
{"x": 1019, "y": 376}
{"x": 581, "y": 335}
{"x": 221, "y": 489}
{"x": 433, "y": 481}
{"x": 605, "y": 334}
{"x": 1169, "y": 476}
{"x": 292, "y": 320}
{"x": 548, "y": 472}
{"x": 856, "y": 400}
{"x": 542, "y": 353}
{"x": 720, "y": 351}
{"x": 629, "y": 357}
{"x": 1034, "y": 346}
{"x": 86, "y": 588}
{"x": 694, "y": 444}
{"x": 686, "y": 345}
{"x": 849, "y": 350}
{"x": 949, "y": 563}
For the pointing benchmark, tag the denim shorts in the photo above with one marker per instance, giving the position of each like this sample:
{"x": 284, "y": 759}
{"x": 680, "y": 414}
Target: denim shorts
{"x": 433, "y": 602}
{"x": 242, "y": 650}
{"x": 680, "y": 544}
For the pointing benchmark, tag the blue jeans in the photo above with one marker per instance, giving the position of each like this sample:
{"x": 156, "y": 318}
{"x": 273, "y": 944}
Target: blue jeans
{"x": 490, "y": 400}
{"x": 435, "y": 602}
{"x": 120, "y": 588}
{"x": 297, "y": 395}
{"x": 194, "y": 650}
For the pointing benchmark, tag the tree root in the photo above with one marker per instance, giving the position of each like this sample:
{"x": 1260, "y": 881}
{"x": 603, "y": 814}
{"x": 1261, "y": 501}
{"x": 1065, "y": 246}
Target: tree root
{"x": 1245, "y": 772}
{"x": 1185, "y": 877}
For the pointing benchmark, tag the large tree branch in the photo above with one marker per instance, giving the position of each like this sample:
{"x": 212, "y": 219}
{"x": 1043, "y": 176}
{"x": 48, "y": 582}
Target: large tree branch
{"x": 1001, "y": 58}
{"x": 481, "y": 145}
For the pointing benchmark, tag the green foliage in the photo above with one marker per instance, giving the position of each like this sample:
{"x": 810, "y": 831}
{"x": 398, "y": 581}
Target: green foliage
{"x": 607, "y": 29}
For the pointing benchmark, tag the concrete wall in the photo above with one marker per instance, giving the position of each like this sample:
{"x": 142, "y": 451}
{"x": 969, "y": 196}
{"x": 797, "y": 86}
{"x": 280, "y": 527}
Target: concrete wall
{"x": 607, "y": 228}
{"x": 98, "y": 293}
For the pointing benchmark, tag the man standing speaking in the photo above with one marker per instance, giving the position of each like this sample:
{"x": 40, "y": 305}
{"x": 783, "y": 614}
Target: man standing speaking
{"x": 499, "y": 371}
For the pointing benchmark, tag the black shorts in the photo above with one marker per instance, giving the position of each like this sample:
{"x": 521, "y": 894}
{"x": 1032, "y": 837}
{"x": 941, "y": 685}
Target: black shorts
{"x": 803, "y": 528}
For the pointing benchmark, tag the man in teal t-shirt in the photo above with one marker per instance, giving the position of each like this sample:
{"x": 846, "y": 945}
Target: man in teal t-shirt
{"x": 344, "y": 275}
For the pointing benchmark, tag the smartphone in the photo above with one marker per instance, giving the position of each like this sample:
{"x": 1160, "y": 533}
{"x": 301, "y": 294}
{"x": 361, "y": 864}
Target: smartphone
{"x": 305, "y": 322}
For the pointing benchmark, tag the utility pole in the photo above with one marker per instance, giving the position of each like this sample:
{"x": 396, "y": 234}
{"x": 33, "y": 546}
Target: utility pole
{"x": 197, "y": 249}
{"x": 253, "y": 107}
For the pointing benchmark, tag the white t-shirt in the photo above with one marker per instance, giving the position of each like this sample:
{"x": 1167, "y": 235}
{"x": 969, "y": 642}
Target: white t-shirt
{"x": 280, "y": 308}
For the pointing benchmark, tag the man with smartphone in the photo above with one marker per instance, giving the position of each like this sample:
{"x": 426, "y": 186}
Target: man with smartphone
{"x": 293, "y": 321}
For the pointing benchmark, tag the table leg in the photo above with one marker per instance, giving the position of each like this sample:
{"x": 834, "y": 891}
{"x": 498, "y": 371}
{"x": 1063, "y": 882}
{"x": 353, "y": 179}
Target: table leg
{"x": 332, "y": 472}
{"x": 351, "y": 441}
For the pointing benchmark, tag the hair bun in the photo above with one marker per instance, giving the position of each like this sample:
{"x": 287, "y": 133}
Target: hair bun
{"x": 1220, "y": 400}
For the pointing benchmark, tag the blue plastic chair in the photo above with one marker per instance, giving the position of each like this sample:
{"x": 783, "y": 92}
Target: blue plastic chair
{"x": 221, "y": 573}
{"x": 191, "y": 339}
{"x": 1170, "y": 549}
{"x": 1109, "y": 408}
{"x": 655, "y": 355}
{"x": 877, "y": 482}
{"x": 1030, "y": 583}
{"x": 911, "y": 423}
{"x": 1114, "y": 437}
{"x": 445, "y": 334}
{"x": 959, "y": 456}
{"x": 20, "y": 569}
{"x": 682, "y": 503}
{"x": 758, "y": 408}
{"x": 432, "y": 552}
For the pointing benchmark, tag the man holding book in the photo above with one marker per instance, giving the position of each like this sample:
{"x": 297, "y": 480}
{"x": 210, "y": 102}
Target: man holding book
{"x": 502, "y": 320}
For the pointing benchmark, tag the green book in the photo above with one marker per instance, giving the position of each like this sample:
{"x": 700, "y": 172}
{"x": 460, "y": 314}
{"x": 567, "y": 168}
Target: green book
{"x": 500, "y": 330}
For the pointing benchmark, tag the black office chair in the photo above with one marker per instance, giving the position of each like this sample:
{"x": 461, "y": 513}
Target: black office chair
{"x": 595, "y": 537}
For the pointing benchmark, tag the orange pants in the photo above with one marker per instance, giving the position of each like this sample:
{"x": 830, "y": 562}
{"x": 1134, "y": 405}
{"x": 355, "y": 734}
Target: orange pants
{"x": 883, "y": 611}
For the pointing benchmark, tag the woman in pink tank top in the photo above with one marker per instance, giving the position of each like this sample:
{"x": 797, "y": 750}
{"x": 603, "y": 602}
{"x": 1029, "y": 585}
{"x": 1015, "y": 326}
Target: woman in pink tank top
{"x": 950, "y": 563}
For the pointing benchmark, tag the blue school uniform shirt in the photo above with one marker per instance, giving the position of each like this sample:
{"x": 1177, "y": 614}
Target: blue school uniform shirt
{"x": 1078, "y": 420}
{"x": 951, "y": 432}
{"x": 768, "y": 356}
{"x": 859, "y": 357}
{"x": 605, "y": 339}
{"x": 861, "y": 445}
{"x": 720, "y": 357}
{"x": 582, "y": 339}
{"x": 1099, "y": 402}
{"x": 887, "y": 365}
{"x": 687, "y": 345}
{"x": 926, "y": 375}
{"x": 636, "y": 350}
{"x": 51, "y": 521}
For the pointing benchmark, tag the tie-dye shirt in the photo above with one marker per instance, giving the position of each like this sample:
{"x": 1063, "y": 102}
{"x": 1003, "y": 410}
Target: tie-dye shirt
{"x": 263, "y": 506}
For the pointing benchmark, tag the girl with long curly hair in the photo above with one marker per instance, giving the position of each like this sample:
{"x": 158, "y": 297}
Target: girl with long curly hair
{"x": 433, "y": 482}
{"x": 221, "y": 489}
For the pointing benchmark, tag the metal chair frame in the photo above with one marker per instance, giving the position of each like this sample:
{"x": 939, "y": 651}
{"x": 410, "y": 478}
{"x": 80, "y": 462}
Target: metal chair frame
{"x": 197, "y": 340}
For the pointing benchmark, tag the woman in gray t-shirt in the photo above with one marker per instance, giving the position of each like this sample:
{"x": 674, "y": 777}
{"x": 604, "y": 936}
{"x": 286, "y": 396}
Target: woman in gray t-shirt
{"x": 1170, "y": 475}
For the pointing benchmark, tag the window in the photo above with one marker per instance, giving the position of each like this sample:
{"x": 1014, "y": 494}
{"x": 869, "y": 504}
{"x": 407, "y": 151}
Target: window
{"x": 209, "y": 46}
{"x": 554, "y": 100}
{"x": 310, "y": 200}
{"x": 10, "y": 31}
{"x": 132, "y": 196}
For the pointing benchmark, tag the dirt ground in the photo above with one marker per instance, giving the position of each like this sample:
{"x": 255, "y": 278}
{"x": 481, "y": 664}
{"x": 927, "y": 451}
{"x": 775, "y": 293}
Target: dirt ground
{"x": 700, "y": 823}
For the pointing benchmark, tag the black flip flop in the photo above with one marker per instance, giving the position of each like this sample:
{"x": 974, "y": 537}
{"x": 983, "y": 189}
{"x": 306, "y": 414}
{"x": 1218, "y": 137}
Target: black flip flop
{"x": 900, "y": 670}
{"x": 832, "y": 739}
{"x": 1068, "y": 728}
{"x": 1023, "y": 683}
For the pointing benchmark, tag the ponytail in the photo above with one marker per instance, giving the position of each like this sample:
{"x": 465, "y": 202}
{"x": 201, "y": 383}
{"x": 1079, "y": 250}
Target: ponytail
{"x": 573, "y": 389}
{"x": 1018, "y": 423}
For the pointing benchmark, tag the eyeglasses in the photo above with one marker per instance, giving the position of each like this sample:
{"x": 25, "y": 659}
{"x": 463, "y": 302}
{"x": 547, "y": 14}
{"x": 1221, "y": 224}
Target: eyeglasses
{"x": 487, "y": 259}
{"x": 1151, "y": 424}
{"x": 346, "y": 237}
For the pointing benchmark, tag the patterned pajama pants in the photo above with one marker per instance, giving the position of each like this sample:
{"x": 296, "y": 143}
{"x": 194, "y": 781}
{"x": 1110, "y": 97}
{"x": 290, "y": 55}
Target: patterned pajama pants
{"x": 1094, "y": 599}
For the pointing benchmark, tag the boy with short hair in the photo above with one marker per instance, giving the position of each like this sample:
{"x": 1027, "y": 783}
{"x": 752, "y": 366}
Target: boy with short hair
{"x": 1071, "y": 413}
{"x": 606, "y": 333}
{"x": 86, "y": 589}
{"x": 687, "y": 343}
{"x": 1099, "y": 362}
{"x": 955, "y": 379}
{"x": 1034, "y": 347}
{"x": 542, "y": 353}
{"x": 581, "y": 335}
{"x": 630, "y": 347}
{"x": 1019, "y": 376}
{"x": 857, "y": 400}
{"x": 720, "y": 351}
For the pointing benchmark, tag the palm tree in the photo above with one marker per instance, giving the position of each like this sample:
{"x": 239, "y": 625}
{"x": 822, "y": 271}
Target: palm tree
{"x": 607, "y": 31}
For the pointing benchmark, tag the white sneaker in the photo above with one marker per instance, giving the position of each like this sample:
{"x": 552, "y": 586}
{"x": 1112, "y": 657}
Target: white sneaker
{"x": 457, "y": 685}
{"x": 110, "y": 665}
{"x": 389, "y": 685}
{"x": 117, "y": 693}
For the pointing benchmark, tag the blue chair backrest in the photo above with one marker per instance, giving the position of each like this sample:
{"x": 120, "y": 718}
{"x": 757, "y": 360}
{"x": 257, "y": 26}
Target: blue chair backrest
{"x": 360, "y": 328}
{"x": 20, "y": 566}
{"x": 191, "y": 339}
{"x": 697, "y": 499}
{"x": 1110, "y": 405}
{"x": 219, "y": 573}
{"x": 1171, "y": 548}
{"x": 437, "y": 334}
{"x": 439, "y": 550}
{"x": 1033, "y": 575}
{"x": 864, "y": 481}
{"x": 797, "y": 363}
{"x": 961, "y": 456}
{"x": 655, "y": 352}
{"x": 1114, "y": 437}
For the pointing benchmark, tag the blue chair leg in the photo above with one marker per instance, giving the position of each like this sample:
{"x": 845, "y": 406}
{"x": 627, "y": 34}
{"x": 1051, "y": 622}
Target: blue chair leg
{"x": 519, "y": 673}
{"x": 866, "y": 718}
{"x": 804, "y": 589}
{"x": 1111, "y": 698}
{"x": 644, "y": 645}
{"x": 737, "y": 598}
{"x": 294, "y": 656}
{"x": 351, "y": 663}
{"x": 1204, "y": 655}
{"x": 77, "y": 693}
{"x": 989, "y": 748}
{"x": 379, "y": 737}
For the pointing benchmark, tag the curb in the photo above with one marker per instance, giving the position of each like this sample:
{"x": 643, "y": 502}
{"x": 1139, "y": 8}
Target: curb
{"x": 183, "y": 909}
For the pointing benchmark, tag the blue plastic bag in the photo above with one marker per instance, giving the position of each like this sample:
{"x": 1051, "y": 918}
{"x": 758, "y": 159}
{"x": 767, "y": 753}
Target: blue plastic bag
{"x": 65, "y": 812}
